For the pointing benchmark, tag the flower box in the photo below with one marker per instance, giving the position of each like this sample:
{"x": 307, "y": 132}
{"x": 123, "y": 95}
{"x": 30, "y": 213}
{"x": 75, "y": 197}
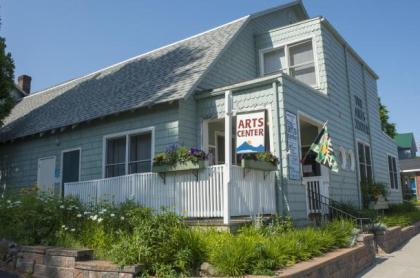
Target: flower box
{"x": 179, "y": 166}
{"x": 258, "y": 165}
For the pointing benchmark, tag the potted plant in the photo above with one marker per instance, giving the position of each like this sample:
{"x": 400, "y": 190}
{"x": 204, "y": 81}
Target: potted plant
{"x": 374, "y": 195}
{"x": 264, "y": 161}
{"x": 177, "y": 158}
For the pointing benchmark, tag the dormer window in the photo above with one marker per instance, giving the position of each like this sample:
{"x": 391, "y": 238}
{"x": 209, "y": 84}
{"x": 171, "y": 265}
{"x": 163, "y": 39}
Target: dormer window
{"x": 295, "y": 59}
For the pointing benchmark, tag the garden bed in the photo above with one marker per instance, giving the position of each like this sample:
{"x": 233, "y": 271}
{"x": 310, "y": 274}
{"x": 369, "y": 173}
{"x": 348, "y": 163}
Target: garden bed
{"x": 161, "y": 242}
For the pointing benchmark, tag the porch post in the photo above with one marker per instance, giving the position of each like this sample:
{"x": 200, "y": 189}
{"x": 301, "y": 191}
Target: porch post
{"x": 228, "y": 156}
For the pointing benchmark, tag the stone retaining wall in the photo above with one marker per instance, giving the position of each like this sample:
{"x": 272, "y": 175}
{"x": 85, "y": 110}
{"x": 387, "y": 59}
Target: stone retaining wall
{"x": 337, "y": 264}
{"x": 49, "y": 262}
{"x": 392, "y": 238}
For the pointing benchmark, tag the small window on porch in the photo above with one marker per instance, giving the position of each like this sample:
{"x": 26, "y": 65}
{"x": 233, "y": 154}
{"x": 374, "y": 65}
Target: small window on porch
{"x": 122, "y": 159}
{"x": 140, "y": 155}
{"x": 115, "y": 157}
{"x": 216, "y": 141}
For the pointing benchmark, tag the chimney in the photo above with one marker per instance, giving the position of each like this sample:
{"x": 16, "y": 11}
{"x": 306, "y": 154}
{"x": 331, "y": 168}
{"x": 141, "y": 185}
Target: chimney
{"x": 24, "y": 83}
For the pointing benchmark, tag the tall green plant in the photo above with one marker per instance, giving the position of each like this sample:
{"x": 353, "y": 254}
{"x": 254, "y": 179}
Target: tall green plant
{"x": 7, "y": 68}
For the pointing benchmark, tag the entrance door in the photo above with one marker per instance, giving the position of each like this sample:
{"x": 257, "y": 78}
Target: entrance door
{"x": 314, "y": 175}
{"x": 46, "y": 174}
{"x": 71, "y": 167}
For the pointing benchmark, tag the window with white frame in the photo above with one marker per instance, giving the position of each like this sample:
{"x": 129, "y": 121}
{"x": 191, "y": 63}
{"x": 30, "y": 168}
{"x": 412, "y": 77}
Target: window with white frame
{"x": 295, "y": 59}
{"x": 365, "y": 162}
{"x": 128, "y": 154}
{"x": 393, "y": 177}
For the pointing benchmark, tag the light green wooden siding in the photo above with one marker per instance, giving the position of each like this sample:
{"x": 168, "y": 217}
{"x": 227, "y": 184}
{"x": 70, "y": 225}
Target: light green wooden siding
{"x": 239, "y": 61}
{"x": 382, "y": 144}
{"x": 188, "y": 123}
{"x": 22, "y": 155}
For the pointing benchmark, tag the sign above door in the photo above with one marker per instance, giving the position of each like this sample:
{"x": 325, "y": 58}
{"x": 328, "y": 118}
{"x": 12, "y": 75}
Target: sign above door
{"x": 250, "y": 132}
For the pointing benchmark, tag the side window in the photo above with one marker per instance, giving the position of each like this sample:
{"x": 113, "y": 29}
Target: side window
{"x": 393, "y": 176}
{"x": 365, "y": 162}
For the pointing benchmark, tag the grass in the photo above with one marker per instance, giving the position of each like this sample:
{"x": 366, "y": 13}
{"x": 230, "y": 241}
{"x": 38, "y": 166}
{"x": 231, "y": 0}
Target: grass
{"x": 129, "y": 234}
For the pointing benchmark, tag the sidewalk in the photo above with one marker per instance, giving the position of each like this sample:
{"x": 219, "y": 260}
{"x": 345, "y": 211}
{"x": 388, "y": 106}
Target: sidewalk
{"x": 405, "y": 262}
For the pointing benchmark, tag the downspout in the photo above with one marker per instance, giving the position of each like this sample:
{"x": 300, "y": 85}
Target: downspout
{"x": 279, "y": 172}
{"x": 359, "y": 191}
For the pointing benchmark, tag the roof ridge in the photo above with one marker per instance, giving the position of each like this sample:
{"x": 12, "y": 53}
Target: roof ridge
{"x": 137, "y": 57}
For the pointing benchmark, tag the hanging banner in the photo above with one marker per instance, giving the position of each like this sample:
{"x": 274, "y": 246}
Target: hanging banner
{"x": 250, "y": 132}
{"x": 292, "y": 146}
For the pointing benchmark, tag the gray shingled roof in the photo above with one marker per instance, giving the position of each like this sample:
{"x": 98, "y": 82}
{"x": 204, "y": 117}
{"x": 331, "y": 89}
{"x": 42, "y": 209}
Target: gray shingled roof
{"x": 166, "y": 74}
{"x": 410, "y": 164}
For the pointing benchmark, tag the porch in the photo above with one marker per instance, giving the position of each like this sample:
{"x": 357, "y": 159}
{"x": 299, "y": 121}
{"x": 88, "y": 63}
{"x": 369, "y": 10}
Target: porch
{"x": 190, "y": 194}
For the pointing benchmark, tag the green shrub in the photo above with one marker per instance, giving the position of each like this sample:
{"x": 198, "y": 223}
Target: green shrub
{"x": 401, "y": 219}
{"x": 402, "y": 208}
{"x": 129, "y": 234}
{"x": 260, "y": 251}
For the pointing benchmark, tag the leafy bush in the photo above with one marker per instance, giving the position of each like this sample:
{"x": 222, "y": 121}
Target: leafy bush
{"x": 371, "y": 191}
{"x": 32, "y": 218}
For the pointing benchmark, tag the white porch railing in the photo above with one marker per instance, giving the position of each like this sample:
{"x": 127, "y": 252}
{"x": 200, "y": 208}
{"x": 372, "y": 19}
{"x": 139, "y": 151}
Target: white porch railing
{"x": 250, "y": 192}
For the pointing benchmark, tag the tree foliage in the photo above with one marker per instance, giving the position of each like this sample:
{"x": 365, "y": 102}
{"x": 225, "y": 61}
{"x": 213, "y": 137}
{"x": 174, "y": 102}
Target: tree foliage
{"x": 387, "y": 127}
{"x": 7, "y": 68}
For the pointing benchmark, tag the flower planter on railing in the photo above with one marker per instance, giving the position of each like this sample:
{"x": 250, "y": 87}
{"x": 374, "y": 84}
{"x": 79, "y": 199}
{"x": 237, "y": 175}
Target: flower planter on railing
{"x": 179, "y": 166}
{"x": 258, "y": 165}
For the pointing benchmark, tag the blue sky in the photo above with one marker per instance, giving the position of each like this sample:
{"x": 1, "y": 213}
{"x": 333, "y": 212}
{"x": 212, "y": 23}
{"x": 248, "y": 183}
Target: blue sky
{"x": 54, "y": 41}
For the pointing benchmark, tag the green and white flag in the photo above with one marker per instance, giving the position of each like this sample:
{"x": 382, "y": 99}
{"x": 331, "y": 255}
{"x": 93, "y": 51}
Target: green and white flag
{"x": 322, "y": 146}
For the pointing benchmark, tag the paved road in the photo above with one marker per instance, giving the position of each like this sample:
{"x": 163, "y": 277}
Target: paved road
{"x": 404, "y": 262}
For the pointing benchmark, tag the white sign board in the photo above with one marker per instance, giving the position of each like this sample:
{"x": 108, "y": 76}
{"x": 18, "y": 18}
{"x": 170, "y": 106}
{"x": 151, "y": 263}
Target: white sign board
{"x": 250, "y": 132}
{"x": 292, "y": 146}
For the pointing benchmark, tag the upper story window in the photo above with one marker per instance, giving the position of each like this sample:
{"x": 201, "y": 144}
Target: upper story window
{"x": 296, "y": 59}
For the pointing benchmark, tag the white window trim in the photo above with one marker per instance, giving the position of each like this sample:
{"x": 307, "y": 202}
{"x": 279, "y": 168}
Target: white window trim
{"x": 127, "y": 135}
{"x": 62, "y": 165}
{"x": 343, "y": 153}
{"x": 398, "y": 178}
{"x": 358, "y": 159}
{"x": 352, "y": 160}
{"x": 286, "y": 45}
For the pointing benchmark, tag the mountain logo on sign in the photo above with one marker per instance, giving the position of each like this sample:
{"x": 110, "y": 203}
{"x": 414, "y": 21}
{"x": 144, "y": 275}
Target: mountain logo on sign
{"x": 245, "y": 147}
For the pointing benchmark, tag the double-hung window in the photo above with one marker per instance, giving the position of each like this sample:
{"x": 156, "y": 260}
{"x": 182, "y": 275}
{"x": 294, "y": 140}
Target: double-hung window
{"x": 365, "y": 162}
{"x": 127, "y": 154}
{"x": 393, "y": 177}
{"x": 295, "y": 59}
